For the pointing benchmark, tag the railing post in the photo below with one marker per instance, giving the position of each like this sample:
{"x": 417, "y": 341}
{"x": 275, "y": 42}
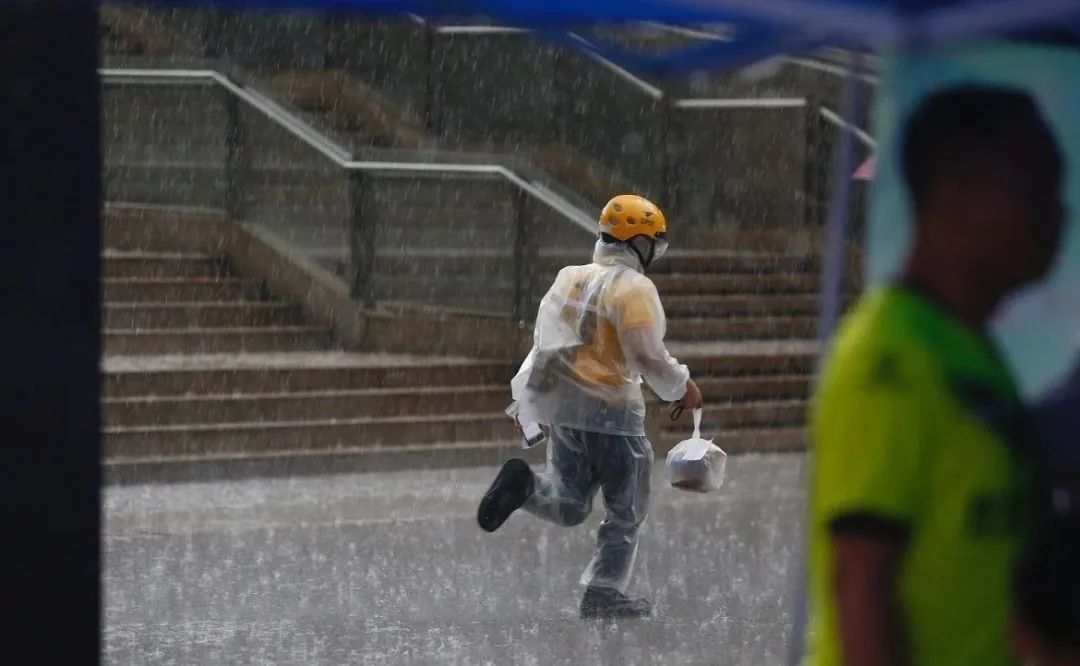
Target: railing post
{"x": 431, "y": 104}
{"x": 328, "y": 50}
{"x": 361, "y": 244}
{"x": 524, "y": 258}
{"x": 808, "y": 161}
{"x": 559, "y": 92}
{"x": 668, "y": 132}
{"x": 235, "y": 159}
{"x": 218, "y": 33}
{"x": 815, "y": 168}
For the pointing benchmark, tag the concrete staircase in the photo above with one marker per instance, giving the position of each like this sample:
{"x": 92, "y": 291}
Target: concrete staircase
{"x": 168, "y": 303}
{"x": 717, "y": 296}
{"x": 206, "y": 373}
{"x": 300, "y": 413}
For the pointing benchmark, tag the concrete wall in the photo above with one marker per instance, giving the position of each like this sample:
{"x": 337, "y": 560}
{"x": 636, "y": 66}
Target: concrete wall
{"x": 600, "y": 115}
{"x": 392, "y": 56}
{"x": 741, "y": 165}
{"x": 497, "y": 88}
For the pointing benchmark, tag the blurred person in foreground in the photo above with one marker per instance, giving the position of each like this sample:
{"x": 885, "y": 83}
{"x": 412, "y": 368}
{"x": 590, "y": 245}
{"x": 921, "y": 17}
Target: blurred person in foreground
{"x": 917, "y": 504}
{"x": 599, "y": 331}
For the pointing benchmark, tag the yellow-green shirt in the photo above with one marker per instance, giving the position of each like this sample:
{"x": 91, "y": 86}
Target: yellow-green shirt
{"x": 897, "y": 434}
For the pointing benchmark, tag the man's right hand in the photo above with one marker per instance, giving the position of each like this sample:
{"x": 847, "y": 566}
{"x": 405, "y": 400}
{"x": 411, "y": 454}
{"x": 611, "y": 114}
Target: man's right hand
{"x": 692, "y": 398}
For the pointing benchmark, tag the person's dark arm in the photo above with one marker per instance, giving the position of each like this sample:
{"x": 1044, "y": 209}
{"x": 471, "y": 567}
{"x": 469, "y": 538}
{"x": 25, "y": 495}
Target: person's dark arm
{"x": 866, "y": 563}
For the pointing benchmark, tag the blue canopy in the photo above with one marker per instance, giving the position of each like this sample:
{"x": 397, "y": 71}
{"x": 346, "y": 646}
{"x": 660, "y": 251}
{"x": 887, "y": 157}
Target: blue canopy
{"x": 759, "y": 27}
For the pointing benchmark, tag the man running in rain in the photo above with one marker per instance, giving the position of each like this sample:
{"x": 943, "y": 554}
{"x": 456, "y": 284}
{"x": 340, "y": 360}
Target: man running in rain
{"x": 916, "y": 500}
{"x": 599, "y": 331}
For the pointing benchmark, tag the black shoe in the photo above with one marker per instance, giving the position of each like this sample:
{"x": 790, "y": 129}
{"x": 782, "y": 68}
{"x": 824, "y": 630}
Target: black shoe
{"x": 511, "y": 488}
{"x": 604, "y": 602}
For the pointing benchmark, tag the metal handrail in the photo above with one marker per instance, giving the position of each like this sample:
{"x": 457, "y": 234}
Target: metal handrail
{"x": 861, "y": 134}
{"x": 478, "y": 30}
{"x": 829, "y": 68}
{"x": 641, "y": 84}
{"x": 741, "y": 103}
{"x": 343, "y": 157}
{"x": 693, "y": 33}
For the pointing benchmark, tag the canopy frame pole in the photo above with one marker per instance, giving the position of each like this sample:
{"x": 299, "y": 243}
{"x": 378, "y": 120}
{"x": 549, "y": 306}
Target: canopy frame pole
{"x": 834, "y": 249}
{"x": 836, "y": 231}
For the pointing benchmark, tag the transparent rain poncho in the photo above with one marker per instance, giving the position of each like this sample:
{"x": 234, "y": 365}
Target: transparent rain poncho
{"x": 599, "y": 331}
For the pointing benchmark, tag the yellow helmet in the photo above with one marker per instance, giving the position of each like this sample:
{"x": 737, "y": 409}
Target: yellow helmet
{"x": 629, "y": 215}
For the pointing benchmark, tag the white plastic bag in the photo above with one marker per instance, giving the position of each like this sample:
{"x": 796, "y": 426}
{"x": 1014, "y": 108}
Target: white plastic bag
{"x": 696, "y": 464}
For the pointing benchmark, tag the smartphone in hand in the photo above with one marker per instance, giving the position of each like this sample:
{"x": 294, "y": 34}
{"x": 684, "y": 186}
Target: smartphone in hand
{"x": 532, "y": 434}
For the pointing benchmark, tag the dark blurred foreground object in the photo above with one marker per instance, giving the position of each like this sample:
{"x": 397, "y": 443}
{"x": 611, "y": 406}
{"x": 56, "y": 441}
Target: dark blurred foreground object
{"x": 49, "y": 304}
{"x": 1047, "y": 585}
{"x": 1047, "y": 582}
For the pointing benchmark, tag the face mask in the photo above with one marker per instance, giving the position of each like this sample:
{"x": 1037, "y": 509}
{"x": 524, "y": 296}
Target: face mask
{"x": 648, "y": 250}
{"x": 660, "y": 248}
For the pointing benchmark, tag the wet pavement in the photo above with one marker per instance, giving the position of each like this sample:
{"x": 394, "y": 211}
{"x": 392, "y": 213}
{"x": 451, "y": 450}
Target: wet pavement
{"x": 391, "y": 568}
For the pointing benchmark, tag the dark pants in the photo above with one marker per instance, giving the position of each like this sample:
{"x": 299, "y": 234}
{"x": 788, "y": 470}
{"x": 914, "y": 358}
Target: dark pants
{"x": 579, "y": 464}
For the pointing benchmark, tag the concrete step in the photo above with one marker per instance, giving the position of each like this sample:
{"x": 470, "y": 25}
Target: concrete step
{"x": 691, "y": 263}
{"x": 118, "y": 316}
{"x": 432, "y": 194}
{"x": 741, "y": 328}
{"x": 409, "y": 263}
{"x": 713, "y": 305}
{"x": 315, "y": 226}
{"x": 235, "y": 438}
{"x": 346, "y": 460}
{"x": 180, "y": 290}
{"x": 433, "y": 285}
{"x": 492, "y": 304}
{"x": 481, "y": 291}
{"x": 467, "y": 261}
{"x": 492, "y": 232}
{"x": 743, "y": 440}
{"x": 167, "y": 410}
{"x": 719, "y": 283}
{"x": 116, "y": 264}
{"x": 314, "y": 405}
{"x": 742, "y": 364}
{"x": 730, "y": 389}
{"x": 189, "y": 184}
{"x": 438, "y": 262}
{"x": 735, "y": 415}
{"x": 222, "y": 375}
{"x": 755, "y": 414}
{"x": 753, "y": 263}
{"x": 215, "y": 340}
